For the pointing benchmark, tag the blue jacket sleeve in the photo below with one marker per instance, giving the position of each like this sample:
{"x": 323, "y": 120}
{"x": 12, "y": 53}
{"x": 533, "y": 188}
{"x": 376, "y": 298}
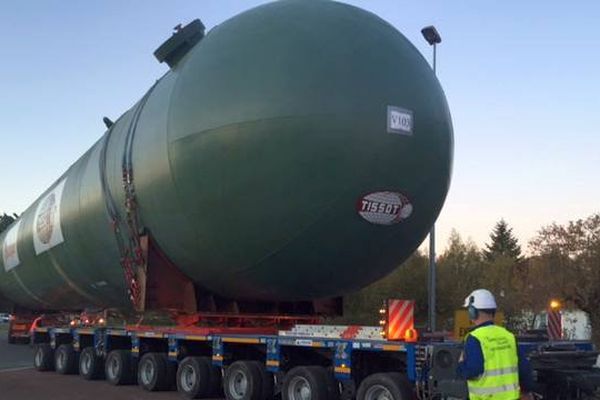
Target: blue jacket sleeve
{"x": 525, "y": 373}
{"x": 472, "y": 364}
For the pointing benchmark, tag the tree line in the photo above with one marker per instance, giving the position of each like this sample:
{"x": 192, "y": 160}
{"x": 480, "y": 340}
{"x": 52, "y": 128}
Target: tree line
{"x": 562, "y": 262}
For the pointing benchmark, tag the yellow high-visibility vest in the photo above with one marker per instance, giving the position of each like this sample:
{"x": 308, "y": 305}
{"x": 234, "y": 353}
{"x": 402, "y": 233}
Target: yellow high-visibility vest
{"x": 500, "y": 379}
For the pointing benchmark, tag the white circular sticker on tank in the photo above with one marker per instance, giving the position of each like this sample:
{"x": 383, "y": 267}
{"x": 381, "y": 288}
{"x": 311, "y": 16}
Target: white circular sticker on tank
{"x": 47, "y": 231}
{"x": 10, "y": 252}
{"x": 384, "y": 208}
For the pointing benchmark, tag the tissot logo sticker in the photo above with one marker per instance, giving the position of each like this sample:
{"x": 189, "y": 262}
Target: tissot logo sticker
{"x": 47, "y": 231}
{"x": 384, "y": 208}
{"x": 10, "y": 253}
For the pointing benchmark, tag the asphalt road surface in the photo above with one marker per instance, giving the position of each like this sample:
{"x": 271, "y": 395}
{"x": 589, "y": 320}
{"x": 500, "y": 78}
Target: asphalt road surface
{"x": 18, "y": 381}
{"x": 13, "y": 356}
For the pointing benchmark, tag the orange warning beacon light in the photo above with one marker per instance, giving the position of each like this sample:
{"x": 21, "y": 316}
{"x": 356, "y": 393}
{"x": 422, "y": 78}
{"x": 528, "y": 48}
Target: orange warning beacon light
{"x": 411, "y": 335}
{"x": 555, "y": 305}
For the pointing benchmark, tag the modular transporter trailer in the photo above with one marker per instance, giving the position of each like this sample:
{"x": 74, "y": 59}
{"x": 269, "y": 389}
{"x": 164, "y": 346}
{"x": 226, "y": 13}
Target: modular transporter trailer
{"x": 307, "y": 362}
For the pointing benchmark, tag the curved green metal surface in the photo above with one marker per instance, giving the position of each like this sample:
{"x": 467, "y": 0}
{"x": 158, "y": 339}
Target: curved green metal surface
{"x": 253, "y": 161}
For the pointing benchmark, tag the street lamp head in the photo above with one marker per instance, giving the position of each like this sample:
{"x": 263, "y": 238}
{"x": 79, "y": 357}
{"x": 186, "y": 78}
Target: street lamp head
{"x": 431, "y": 35}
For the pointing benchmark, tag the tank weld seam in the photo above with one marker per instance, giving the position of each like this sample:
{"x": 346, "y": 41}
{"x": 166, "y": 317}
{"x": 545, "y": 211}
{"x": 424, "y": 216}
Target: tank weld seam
{"x": 127, "y": 237}
{"x": 69, "y": 281}
{"x": 252, "y": 121}
{"x": 291, "y": 239}
{"x": 26, "y": 289}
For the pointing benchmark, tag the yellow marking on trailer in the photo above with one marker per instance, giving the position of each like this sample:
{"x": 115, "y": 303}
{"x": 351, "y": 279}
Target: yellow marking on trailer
{"x": 393, "y": 347}
{"x": 195, "y": 337}
{"x": 342, "y": 370}
{"x": 217, "y": 358}
{"x": 273, "y": 363}
{"x": 151, "y": 334}
{"x": 134, "y": 350}
{"x": 317, "y": 344}
{"x": 41, "y": 330}
{"x": 241, "y": 340}
{"x": 172, "y": 354}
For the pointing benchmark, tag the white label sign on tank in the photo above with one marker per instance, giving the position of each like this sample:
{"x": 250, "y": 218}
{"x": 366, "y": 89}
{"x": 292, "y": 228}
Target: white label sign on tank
{"x": 47, "y": 231}
{"x": 10, "y": 252}
{"x": 399, "y": 121}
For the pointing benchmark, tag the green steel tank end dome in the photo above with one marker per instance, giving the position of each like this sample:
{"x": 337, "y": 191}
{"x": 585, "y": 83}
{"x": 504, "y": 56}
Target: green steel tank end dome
{"x": 300, "y": 150}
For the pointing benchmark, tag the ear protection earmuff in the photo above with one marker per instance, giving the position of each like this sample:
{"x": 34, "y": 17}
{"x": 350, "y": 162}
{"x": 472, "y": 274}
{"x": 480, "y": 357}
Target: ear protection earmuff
{"x": 473, "y": 312}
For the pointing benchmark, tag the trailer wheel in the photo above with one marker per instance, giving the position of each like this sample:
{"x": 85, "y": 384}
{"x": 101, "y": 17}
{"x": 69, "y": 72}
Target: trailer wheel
{"x": 267, "y": 381}
{"x": 197, "y": 378}
{"x": 91, "y": 366}
{"x": 66, "y": 359}
{"x": 43, "y": 357}
{"x": 216, "y": 379}
{"x": 309, "y": 383}
{"x": 119, "y": 368}
{"x": 384, "y": 386}
{"x": 243, "y": 381}
{"x": 155, "y": 372}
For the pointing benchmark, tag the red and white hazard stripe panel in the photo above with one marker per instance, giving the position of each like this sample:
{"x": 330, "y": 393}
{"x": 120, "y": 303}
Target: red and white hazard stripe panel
{"x": 400, "y": 318}
{"x": 554, "y": 325}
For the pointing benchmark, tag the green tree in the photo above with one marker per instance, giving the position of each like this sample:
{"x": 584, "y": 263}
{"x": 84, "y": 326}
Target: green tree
{"x": 508, "y": 279}
{"x": 408, "y": 281}
{"x": 460, "y": 269}
{"x": 503, "y": 243}
{"x": 570, "y": 257}
{"x": 6, "y": 220}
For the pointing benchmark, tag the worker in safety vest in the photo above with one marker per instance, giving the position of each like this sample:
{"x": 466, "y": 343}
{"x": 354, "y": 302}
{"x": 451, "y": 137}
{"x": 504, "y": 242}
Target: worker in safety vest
{"x": 491, "y": 362}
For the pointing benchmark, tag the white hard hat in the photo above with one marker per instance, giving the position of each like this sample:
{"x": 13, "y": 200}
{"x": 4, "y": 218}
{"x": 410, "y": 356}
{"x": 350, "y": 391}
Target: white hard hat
{"x": 481, "y": 299}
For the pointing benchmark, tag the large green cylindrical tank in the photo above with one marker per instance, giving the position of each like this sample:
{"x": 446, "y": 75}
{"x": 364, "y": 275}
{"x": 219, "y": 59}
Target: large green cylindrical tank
{"x": 300, "y": 150}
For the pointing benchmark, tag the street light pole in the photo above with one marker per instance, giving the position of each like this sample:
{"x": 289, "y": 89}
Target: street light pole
{"x": 432, "y": 279}
{"x": 432, "y": 37}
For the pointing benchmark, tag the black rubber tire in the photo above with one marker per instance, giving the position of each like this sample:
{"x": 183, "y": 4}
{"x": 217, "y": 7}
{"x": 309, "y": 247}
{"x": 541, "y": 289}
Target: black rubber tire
{"x": 320, "y": 381}
{"x": 216, "y": 379}
{"x": 250, "y": 371}
{"x": 43, "y": 357}
{"x": 394, "y": 382}
{"x": 156, "y": 373}
{"x": 91, "y": 366}
{"x": 11, "y": 339}
{"x": 120, "y": 368}
{"x": 207, "y": 378}
{"x": 66, "y": 360}
{"x": 267, "y": 381}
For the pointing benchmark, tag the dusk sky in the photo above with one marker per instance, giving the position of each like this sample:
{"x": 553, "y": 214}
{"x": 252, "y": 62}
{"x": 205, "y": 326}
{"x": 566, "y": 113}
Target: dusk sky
{"x": 521, "y": 80}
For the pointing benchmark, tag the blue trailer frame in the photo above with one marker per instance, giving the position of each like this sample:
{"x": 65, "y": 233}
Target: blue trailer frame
{"x": 413, "y": 359}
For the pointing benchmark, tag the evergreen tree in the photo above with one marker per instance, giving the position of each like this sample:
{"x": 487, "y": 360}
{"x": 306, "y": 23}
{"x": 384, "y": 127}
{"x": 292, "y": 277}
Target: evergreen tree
{"x": 503, "y": 243}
